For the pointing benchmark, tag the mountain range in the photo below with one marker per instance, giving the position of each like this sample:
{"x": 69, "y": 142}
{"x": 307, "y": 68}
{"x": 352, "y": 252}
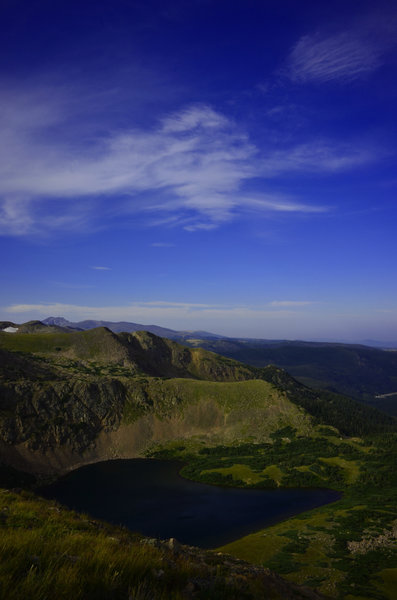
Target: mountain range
{"x": 365, "y": 373}
{"x": 118, "y": 327}
{"x": 60, "y": 384}
{"x": 70, "y": 397}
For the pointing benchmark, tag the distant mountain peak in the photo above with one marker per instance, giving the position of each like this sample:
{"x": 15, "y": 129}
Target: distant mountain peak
{"x": 125, "y": 326}
{"x": 60, "y": 321}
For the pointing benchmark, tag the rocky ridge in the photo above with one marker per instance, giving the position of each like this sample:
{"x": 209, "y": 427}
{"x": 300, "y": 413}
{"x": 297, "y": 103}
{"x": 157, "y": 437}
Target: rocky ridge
{"x": 67, "y": 398}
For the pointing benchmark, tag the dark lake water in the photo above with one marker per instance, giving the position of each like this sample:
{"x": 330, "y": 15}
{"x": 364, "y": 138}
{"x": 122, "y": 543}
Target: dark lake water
{"x": 150, "y": 497}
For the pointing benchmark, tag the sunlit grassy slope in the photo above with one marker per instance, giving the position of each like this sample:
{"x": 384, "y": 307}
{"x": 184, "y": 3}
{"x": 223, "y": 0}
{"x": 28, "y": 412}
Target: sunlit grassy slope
{"x": 359, "y": 371}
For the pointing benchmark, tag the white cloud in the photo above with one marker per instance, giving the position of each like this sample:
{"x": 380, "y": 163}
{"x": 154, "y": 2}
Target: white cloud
{"x": 158, "y": 310}
{"x": 295, "y": 303}
{"x": 15, "y": 217}
{"x": 280, "y": 203}
{"x": 317, "y": 156}
{"x": 188, "y": 171}
{"x": 201, "y": 226}
{"x": 194, "y": 117}
{"x": 101, "y": 268}
{"x": 346, "y": 55}
{"x": 340, "y": 57}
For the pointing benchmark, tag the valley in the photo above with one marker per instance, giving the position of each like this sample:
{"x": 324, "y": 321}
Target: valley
{"x": 71, "y": 398}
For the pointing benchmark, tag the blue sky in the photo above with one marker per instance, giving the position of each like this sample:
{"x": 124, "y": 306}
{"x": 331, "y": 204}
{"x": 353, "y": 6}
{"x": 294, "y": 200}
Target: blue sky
{"x": 218, "y": 165}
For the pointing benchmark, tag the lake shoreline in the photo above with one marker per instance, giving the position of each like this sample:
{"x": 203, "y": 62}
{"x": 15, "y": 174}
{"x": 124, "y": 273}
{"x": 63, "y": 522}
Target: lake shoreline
{"x": 199, "y": 514}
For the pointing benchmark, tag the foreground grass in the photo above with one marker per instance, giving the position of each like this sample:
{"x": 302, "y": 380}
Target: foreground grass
{"x": 48, "y": 552}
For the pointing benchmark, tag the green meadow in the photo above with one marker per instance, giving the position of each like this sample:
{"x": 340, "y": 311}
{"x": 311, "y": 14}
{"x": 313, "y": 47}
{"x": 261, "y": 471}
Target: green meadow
{"x": 346, "y": 549}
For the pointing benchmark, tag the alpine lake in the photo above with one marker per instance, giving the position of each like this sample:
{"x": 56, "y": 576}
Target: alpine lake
{"x": 150, "y": 497}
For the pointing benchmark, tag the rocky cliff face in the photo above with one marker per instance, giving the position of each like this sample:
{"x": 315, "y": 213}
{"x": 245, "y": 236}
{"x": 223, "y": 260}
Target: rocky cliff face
{"x": 161, "y": 357}
{"x": 66, "y": 399}
{"x": 71, "y": 398}
{"x": 44, "y": 415}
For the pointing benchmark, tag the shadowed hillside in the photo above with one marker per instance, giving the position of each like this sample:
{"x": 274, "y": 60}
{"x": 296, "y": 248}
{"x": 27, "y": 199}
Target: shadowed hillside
{"x": 70, "y": 398}
{"x": 361, "y": 372}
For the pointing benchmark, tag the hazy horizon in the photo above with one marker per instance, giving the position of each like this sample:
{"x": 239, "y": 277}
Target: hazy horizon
{"x": 390, "y": 343}
{"x": 228, "y": 167}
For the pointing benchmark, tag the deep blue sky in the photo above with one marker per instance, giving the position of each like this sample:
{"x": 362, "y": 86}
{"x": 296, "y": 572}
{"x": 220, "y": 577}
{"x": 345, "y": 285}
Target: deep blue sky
{"x": 219, "y": 165}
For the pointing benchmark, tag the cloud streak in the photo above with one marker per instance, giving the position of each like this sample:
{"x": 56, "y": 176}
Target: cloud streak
{"x": 101, "y": 268}
{"x": 161, "y": 309}
{"x": 342, "y": 56}
{"x": 334, "y": 58}
{"x": 190, "y": 170}
{"x": 296, "y": 303}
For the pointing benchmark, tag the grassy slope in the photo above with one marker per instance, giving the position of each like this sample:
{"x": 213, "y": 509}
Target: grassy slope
{"x": 346, "y": 549}
{"x": 94, "y": 344}
{"x": 358, "y": 371}
{"x": 51, "y": 400}
{"x": 49, "y": 552}
{"x": 222, "y": 412}
{"x": 101, "y": 353}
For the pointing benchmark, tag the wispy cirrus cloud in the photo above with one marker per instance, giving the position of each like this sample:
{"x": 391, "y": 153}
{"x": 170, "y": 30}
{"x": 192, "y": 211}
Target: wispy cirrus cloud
{"x": 101, "y": 268}
{"x": 318, "y": 156}
{"x": 343, "y": 56}
{"x": 338, "y": 57}
{"x": 296, "y": 303}
{"x": 162, "y": 311}
{"x": 190, "y": 169}
{"x": 193, "y": 117}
